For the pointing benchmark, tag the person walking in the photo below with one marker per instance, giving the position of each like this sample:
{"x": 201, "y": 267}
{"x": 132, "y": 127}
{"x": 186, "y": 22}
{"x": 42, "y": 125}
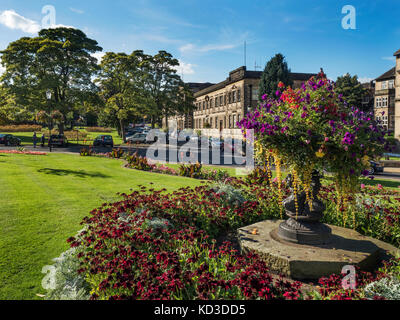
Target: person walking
{"x": 34, "y": 139}
{"x": 42, "y": 140}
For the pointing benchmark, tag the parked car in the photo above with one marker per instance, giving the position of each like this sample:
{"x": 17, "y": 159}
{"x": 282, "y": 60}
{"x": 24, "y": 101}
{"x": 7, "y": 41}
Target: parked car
{"x": 376, "y": 167}
{"x": 103, "y": 141}
{"x": 9, "y": 140}
{"x": 217, "y": 143}
{"x": 137, "y": 138}
{"x": 58, "y": 140}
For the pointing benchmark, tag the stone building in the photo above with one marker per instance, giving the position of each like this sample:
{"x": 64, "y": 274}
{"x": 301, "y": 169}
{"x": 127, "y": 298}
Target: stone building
{"x": 384, "y": 109}
{"x": 368, "y": 98}
{"x": 184, "y": 121}
{"x": 221, "y": 105}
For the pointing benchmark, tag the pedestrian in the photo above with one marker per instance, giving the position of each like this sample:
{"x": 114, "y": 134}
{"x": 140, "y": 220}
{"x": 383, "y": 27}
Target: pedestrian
{"x": 34, "y": 139}
{"x": 42, "y": 140}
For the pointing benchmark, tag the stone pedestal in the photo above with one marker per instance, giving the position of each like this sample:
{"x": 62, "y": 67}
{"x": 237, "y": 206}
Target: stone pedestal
{"x": 298, "y": 261}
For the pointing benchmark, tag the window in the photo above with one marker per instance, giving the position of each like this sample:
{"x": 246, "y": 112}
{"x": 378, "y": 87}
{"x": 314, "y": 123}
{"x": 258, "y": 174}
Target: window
{"x": 378, "y": 102}
{"x": 234, "y": 121}
{"x": 384, "y": 102}
{"x": 254, "y": 94}
{"x": 216, "y": 122}
{"x": 229, "y": 97}
{"x": 391, "y": 84}
{"x": 204, "y": 105}
{"x": 220, "y": 100}
{"x": 238, "y": 95}
{"x": 216, "y": 101}
{"x": 230, "y": 121}
{"x": 384, "y": 85}
{"x": 234, "y": 96}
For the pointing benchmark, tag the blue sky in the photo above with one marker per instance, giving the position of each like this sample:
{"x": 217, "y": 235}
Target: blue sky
{"x": 208, "y": 36}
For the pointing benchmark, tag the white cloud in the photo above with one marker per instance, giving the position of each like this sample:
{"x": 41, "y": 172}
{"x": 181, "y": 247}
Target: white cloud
{"x": 98, "y": 56}
{"x": 185, "y": 68}
{"x": 389, "y": 58}
{"x": 13, "y": 20}
{"x": 78, "y": 11}
{"x": 365, "y": 79}
{"x": 210, "y": 47}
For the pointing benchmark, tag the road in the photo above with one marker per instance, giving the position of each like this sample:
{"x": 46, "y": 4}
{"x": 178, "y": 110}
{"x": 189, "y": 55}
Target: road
{"x": 175, "y": 154}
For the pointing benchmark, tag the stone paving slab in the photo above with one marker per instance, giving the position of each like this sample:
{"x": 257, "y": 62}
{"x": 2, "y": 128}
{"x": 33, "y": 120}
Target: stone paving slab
{"x": 301, "y": 262}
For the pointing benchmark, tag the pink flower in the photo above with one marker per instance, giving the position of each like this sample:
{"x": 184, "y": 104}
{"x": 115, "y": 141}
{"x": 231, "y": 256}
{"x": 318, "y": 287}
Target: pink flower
{"x": 275, "y": 180}
{"x": 362, "y": 186}
{"x": 379, "y": 186}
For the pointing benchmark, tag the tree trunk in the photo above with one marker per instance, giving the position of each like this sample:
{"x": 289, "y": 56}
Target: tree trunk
{"x": 152, "y": 122}
{"x": 60, "y": 128}
{"x": 121, "y": 123}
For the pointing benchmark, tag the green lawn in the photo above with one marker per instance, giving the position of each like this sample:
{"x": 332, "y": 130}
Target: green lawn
{"x": 42, "y": 201}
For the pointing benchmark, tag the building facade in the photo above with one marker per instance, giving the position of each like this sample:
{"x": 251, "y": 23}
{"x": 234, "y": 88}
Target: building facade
{"x": 222, "y": 105}
{"x": 385, "y": 93}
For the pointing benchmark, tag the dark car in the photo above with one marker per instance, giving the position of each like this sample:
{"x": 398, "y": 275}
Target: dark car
{"x": 376, "y": 167}
{"x": 103, "y": 141}
{"x": 9, "y": 140}
{"x": 58, "y": 140}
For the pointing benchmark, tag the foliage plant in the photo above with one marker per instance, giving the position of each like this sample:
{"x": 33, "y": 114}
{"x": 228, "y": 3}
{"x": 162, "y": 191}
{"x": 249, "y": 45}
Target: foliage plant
{"x": 313, "y": 128}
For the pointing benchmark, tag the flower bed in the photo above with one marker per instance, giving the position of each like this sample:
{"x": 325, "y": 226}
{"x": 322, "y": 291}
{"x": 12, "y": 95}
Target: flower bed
{"x": 35, "y": 153}
{"x": 154, "y": 245}
{"x": 21, "y": 128}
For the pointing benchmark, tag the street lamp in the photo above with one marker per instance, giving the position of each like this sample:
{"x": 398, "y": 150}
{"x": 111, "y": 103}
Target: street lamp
{"x": 48, "y": 96}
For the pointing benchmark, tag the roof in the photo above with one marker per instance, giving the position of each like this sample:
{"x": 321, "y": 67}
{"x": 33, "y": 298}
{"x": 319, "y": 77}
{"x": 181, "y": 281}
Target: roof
{"x": 391, "y": 74}
{"x": 241, "y": 73}
{"x": 197, "y": 86}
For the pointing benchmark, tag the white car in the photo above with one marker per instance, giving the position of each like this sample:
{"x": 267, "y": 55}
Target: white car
{"x": 137, "y": 138}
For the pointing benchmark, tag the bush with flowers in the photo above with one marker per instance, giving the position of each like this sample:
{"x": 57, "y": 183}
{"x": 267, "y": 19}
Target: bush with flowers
{"x": 158, "y": 245}
{"x": 313, "y": 128}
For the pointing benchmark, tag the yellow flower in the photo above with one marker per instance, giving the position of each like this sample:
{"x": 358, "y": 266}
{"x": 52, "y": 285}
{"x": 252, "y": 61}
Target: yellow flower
{"x": 320, "y": 154}
{"x": 365, "y": 160}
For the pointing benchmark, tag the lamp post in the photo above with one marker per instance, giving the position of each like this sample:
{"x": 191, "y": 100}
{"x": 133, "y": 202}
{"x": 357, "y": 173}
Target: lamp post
{"x": 48, "y": 95}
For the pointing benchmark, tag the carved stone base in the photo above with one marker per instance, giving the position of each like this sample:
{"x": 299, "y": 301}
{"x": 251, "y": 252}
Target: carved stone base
{"x": 303, "y": 232}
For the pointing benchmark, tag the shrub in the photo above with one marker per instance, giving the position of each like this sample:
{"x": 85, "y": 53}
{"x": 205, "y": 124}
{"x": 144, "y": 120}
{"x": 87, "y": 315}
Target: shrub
{"x": 64, "y": 282}
{"x": 116, "y": 153}
{"x": 86, "y": 152}
{"x": 191, "y": 171}
{"x": 388, "y": 288}
{"x": 139, "y": 163}
{"x": 258, "y": 176}
{"x": 21, "y": 128}
{"x": 98, "y": 129}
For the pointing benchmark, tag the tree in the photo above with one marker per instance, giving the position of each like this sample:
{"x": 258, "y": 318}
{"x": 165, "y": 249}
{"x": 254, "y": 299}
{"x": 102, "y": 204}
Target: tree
{"x": 276, "y": 70}
{"x": 163, "y": 87}
{"x": 121, "y": 82}
{"x": 351, "y": 89}
{"x": 10, "y": 113}
{"x": 57, "y": 59}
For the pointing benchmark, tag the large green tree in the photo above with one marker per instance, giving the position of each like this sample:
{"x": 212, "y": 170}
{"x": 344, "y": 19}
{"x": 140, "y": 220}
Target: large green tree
{"x": 164, "y": 87}
{"x": 351, "y": 89}
{"x": 276, "y": 70}
{"x": 121, "y": 82}
{"x": 59, "y": 60}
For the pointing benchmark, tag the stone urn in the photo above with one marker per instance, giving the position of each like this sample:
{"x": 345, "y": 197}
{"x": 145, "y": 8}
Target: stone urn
{"x": 305, "y": 226}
